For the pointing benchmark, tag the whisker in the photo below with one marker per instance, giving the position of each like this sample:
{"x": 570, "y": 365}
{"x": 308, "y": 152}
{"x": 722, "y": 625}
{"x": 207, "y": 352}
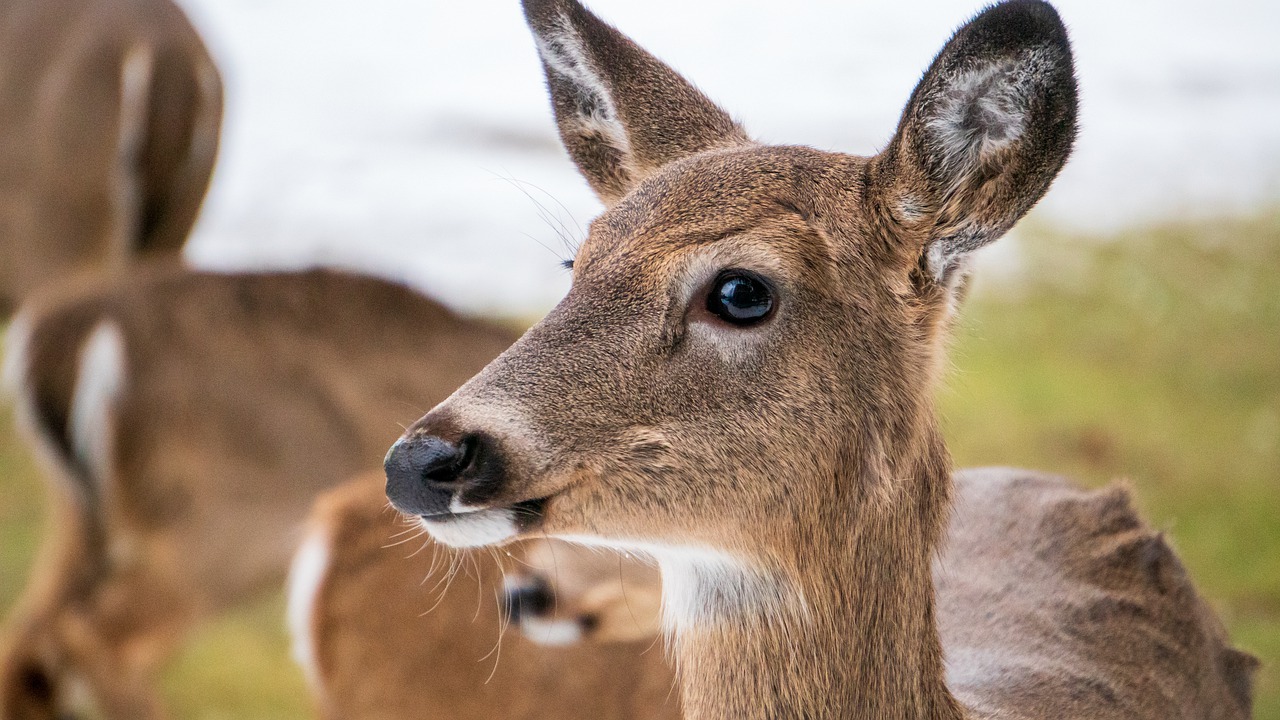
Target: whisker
{"x": 411, "y": 538}
{"x": 562, "y": 229}
{"x": 554, "y": 199}
{"x": 448, "y": 580}
{"x": 571, "y": 246}
{"x": 425, "y": 544}
{"x": 517, "y": 559}
{"x": 474, "y": 563}
{"x": 496, "y": 652}
{"x": 546, "y": 247}
{"x": 625, "y": 597}
{"x": 408, "y": 529}
{"x": 568, "y": 237}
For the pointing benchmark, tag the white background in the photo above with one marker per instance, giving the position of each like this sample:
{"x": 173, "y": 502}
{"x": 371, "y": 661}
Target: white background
{"x": 401, "y": 136}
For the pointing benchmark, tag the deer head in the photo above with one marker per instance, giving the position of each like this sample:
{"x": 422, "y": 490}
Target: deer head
{"x": 77, "y": 660}
{"x": 88, "y": 636}
{"x": 739, "y": 380}
{"x": 753, "y": 331}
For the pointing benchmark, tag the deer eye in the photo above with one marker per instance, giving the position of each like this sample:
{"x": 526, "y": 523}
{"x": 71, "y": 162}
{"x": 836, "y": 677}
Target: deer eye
{"x": 740, "y": 298}
{"x": 37, "y": 685}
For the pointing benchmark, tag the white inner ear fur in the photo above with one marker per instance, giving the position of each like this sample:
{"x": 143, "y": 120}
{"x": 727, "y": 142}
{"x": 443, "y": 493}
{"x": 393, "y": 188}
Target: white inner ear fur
{"x": 135, "y": 92}
{"x": 979, "y": 112}
{"x": 205, "y": 140}
{"x": 562, "y": 50}
{"x": 946, "y": 259}
{"x": 16, "y": 343}
{"x": 98, "y": 385}
{"x": 18, "y": 381}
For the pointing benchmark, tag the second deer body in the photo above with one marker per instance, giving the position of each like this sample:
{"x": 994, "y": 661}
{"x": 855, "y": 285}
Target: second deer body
{"x": 390, "y": 626}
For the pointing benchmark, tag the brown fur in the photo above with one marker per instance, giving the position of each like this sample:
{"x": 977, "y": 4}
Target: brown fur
{"x": 244, "y": 396}
{"x": 1114, "y": 627}
{"x": 394, "y": 638}
{"x": 95, "y": 172}
{"x": 609, "y": 598}
{"x": 790, "y": 476}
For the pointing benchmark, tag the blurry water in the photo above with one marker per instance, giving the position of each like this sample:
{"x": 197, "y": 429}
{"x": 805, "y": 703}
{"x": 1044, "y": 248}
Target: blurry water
{"x": 412, "y": 138}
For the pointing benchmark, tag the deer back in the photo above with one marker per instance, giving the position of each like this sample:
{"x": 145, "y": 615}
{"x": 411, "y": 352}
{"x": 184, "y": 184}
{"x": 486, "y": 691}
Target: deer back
{"x": 1056, "y": 601}
{"x": 187, "y": 420}
{"x": 389, "y": 624}
{"x": 111, "y": 111}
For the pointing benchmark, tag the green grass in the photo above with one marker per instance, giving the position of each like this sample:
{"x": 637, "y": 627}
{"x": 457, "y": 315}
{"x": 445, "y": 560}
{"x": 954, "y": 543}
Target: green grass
{"x": 1153, "y": 356}
{"x": 239, "y": 668}
{"x": 21, "y": 512}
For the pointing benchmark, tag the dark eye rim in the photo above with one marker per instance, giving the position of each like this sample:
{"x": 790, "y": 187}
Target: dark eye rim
{"x": 735, "y": 272}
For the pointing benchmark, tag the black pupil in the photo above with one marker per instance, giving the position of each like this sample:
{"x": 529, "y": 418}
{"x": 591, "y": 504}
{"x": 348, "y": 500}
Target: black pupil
{"x": 740, "y": 300}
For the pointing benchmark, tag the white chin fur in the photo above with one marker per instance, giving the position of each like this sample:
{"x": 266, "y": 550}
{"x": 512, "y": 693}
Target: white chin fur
{"x": 552, "y": 633}
{"x": 473, "y": 529}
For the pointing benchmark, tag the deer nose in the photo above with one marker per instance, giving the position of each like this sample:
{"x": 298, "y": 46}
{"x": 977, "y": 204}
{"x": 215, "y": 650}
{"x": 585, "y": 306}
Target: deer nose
{"x": 424, "y": 472}
{"x": 531, "y": 598}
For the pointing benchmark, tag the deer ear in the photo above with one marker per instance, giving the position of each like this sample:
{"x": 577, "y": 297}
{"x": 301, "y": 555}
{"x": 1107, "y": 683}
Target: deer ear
{"x": 985, "y": 132}
{"x": 621, "y": 112}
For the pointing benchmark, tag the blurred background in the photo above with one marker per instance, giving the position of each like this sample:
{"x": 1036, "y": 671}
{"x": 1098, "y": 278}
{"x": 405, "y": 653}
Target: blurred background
{"x": 1129, "y": 328}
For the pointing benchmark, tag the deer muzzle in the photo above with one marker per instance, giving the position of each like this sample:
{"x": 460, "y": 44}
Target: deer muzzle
{"x": 452, "y": 487}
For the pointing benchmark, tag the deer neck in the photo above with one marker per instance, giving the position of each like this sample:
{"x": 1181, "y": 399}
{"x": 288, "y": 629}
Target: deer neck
{"x": 843, "y": 627}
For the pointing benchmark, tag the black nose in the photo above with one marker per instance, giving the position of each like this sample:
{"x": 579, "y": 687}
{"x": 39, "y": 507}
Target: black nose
{"x": 532, "y": 598}
{"x": 423, "y": 472}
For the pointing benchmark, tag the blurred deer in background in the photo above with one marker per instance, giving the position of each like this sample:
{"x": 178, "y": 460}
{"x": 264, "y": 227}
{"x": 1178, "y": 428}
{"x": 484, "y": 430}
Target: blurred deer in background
{"x": 111, "y": 111}
{"x": 389, "y": 625}
{"x": 187, "y": 421}
{"x": 562, "y": 594}
{"x": 740, "y": 382}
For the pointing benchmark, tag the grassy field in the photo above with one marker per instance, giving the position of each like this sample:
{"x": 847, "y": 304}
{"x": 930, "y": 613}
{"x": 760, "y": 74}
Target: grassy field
{"x": 1153, "y": 356}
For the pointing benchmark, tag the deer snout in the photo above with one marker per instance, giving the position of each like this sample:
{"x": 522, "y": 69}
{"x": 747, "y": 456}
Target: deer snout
{"x": 426, "y": 472}
{"x": 530, "y": 604}
{"x": 456, "y": 488}
{"x": 527, "y": 598}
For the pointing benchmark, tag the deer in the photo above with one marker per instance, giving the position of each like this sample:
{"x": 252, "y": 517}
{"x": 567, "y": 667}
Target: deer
{"x": 111, "y": 117}
{"x": 385, "y": 626}
{"x": 739, "y": 382}
{"x": 563, "y": 594}
{"x": 185, "y": 422}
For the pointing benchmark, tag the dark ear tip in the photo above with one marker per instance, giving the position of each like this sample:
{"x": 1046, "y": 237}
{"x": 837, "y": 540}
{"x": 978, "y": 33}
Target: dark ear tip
{"x": 1019, "y": 23}
{"x": 539, "y": 11}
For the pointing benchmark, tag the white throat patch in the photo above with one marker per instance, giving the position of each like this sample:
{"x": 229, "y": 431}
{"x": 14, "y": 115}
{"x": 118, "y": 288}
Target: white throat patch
{"x": 703, "y": 586}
